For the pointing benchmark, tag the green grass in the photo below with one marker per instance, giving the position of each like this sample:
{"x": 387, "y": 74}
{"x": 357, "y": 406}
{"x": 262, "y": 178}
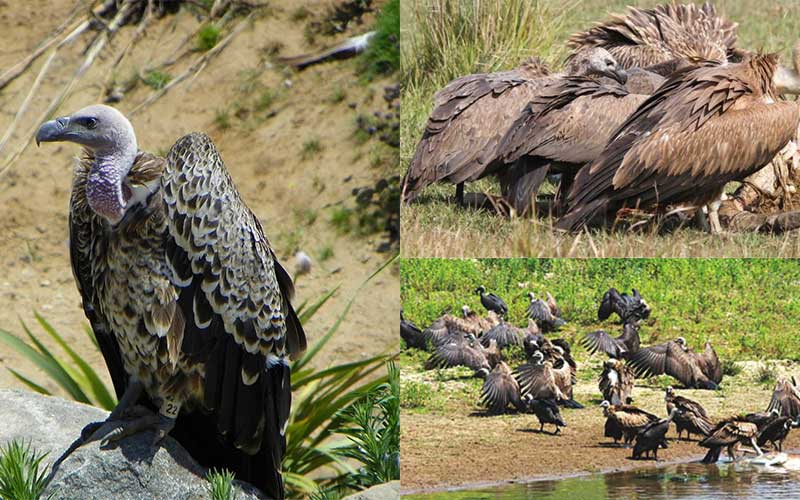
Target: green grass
{"x": 445, "y": 39}
{"x": 325, "y": 253}
{"x": 20, "y": 474}
{"x": 157, "y": 79}
{"x": 311, "y": 148}
{"x": 207, "y": 37}
{"x": 220, "y": 485}
{"x": 222, "y": 119}
{"x": 382, "y": 56}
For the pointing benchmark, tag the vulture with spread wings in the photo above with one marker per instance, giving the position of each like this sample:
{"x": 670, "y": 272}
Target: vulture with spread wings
{"x": 693, "y": 370}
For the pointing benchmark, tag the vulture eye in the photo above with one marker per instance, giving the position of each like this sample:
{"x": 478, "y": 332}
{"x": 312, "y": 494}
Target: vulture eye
{"x": 91, "y": 123}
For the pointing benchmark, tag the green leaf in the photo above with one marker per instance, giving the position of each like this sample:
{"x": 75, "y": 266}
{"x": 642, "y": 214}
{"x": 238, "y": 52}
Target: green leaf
{"x": 33, "y": 385}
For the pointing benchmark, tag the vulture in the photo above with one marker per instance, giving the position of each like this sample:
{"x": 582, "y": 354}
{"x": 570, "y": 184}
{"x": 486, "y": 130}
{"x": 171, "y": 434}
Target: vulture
{"x": 775, "y": 432}
{"x": 692, "y": 417}
{"x": 707, "y": 125}
{"x": 472, "y": 114}
{"x": 661, "y": 36}
{"x": 449, "y": 328}
{"x": 547, "y": 315}
{"x": 693, "y": 370}
{"x": 550, "y": 378}
{"x": 492, "y": 302}
{"x": 565, "y": 126}
{"x": 345, "y": 50}
{"x": 625, "y": 420}
{"x": 500, "y": 389}
{"x": 622, "y": 347}
{"x": 728, "y": 433}
{"x": 467, "y": 352}
{"x": 547, "y": 412}
{"x": 504, "y": 334}
{"x": 761, "y": 419}
{"x": 190, "y": 306}
{"x": 786, "y": 398}
{"x": 616, "y": 382}
{"x": 411, "y": 334}
{"x": 630, "y": 308}
{"x": 481, "y": 323}
{"x": 653, "y": 436}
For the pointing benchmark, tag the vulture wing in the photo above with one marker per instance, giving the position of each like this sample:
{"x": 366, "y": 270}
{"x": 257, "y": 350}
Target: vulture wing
{"x": 785, "y": 399}
{"x": 453, "y": 354}
{"x": 504, "y": 334}
{"x": 538, "y": 381}
{"x": 602, "y": 341}
{"x": 500, "y": 389}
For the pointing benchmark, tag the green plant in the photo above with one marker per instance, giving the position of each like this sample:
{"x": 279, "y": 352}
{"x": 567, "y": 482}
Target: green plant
{"x": 207, "y": 37}
{"x": 311, "y": 147}
{"x": 730, "y": 368}
{"x": 157, "y": 79}
{"x": 220, "y": 484}
{"x": 265, "y": 100}
{"x": 325, "y": 253}
{"x": 20, "y": 477}
{"x": 222, "y": 119}
{"x": 382, "y": 56}
{"x": 766, "y": 374}
{"x": 416, "y": 394}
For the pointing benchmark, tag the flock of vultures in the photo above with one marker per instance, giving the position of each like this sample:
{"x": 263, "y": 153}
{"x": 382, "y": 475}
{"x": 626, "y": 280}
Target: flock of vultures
{"x": 654, "y": 113}
{"x": 544, "y": 382}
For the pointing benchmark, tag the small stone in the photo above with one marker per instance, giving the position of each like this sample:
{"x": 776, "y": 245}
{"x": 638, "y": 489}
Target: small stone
{"x": 45, "y": 283}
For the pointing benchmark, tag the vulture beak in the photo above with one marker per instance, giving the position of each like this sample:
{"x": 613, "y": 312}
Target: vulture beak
{"x": 52, "y": 131}
{"x": 619, "y": 75}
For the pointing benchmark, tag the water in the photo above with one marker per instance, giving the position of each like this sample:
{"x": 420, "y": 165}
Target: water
{"x": 693, "y": 480}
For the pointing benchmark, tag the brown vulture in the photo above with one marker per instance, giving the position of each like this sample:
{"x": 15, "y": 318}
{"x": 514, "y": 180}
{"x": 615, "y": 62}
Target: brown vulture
{"x": 411, "y": 334}
{"x": 692, "y": 417}
{"x": 472, "y": 114}
{"x": 706, "y": 126}
{"x": 500, "y": 389}
{"x": 621, "y": 347}
{"x": 546, "y": 411}
{"x": 630, "y": 308}
{"x": 653, "y": 436}
{"x": 728, "y": 433}
{"x": 504, "y": 334}
{"x": 450, "y": 328}
{"x": 616, "y": 382}
{"x": 693, "y": 370}
{"x": 467, "y": 352}
{"x": 775, "y": 432}
{"x": 546, "y": 314}
{"x": 786, "y": 398}
{"x": 625, "y": 420}
{"x": 191, "y": 308}
{"x": 548, "y": 377}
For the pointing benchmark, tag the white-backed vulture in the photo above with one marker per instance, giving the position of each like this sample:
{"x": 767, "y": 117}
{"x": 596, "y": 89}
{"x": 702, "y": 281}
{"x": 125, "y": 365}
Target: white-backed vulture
{"x": 693, "y": 370}
{"x": 652, "y": 436}
{"x": 692, "y": 417}
{"x": 726, "y": 434}
{"x": 500, "y": 389}
{"x": 546, "y": 411}
{"x": 616, "y": 382}
{"x": 625, "y": 419}
{"x": 785, "y": 398}
{"x": 663, "y": 34}
{"x": 706, "y": 126}
{"x": 469, "y": 353}
{"x": 504, "y": 334}
{"x": 630, "y": 308}
{"x": 621, "y": 347}
{"x": 548, "y": 377}
{"x": 492, "y": 302}
{"x": 544, "y": 313}
{"x": 472, "y": 113}
{"x": 190, "y": 307}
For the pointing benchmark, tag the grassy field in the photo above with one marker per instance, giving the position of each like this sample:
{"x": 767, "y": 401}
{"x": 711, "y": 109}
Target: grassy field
{"x": 746, "y": 308}
{"x": 477, "y": 36}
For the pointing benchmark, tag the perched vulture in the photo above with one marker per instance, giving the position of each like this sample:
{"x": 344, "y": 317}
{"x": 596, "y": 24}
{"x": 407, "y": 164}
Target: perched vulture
{"x": 662, "y": 35}
{"x": 544, "y": 314}
{"x": 411, "y": 334}
{"x": 786, "y": 398}
{"x": 706, "y": 126}
{"x": 692, "y": 417}
{"x": 775, "y": 432}
{"x": 472, "y": 114}
{"x": 547, "y": 412}
{"x": 492, "y": 302}
{"x": 693, "y": 370}
{"x": 621, "y": 347}
{"x": 188, "y": 302}
{"x": 727, "y": 433}
{"x": 627, "y": 420}
{"x": 565, "y": 126}
{"x": 630, "y": 308}
{"x": 616, "y": 382}
{"x": 504, "y": 334}
{"x": 653, "y": 436}
{"x": 500, "y": 389}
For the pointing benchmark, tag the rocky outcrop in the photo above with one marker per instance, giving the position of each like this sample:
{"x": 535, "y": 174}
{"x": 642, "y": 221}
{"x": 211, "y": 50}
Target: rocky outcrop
{"x": 387, "y": 491}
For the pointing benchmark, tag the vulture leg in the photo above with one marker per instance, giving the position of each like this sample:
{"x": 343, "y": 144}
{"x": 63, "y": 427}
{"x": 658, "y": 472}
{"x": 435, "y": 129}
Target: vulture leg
{"x": 701, "y": 220}
{"x": 755, "y": 446}
{"x": 541, "y": 427}
{"x": 460, "y": 193}
{"x": 125, "y": 408}
{"x": 713, "y": 216}
{"x": 731, "y": 453}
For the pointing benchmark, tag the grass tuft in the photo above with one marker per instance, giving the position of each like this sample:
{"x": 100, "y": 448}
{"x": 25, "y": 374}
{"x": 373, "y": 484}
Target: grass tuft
{"x": 220, "y": 485}
{"x": 207, "y": 37}
{"x": 222, "y": 119}
{"x": 157, "y": 79}
{"x": 382, "y": 56}
{"x": 20, "y": 474}
{"x": 311, "y": 148}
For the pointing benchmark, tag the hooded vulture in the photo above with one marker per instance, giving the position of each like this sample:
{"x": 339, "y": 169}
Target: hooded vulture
{"x": 547, "y": 315}
{"x": 411, "y": 334}
{"x": 662, "y": 36}
{"x": 653, "y": 436}
{"x": 492, "y": 302}
{"x": 625, "y": 420}
{"x": 693, "y": 370}
{"x": 621, "y": 347}
{"x": 500, "y": 389}
{"x": 472, "y": 114}
{"x": 546, "y": 411}
{"x": 705, "y": 127}
{"x": 728, "y": 433}
{"x": 191, "y": 308}
{"x": 786, "y": 398}
{"x": 616, "y": 382}
{"x": 692, "y": 417}
{"x": 630, "y": 308}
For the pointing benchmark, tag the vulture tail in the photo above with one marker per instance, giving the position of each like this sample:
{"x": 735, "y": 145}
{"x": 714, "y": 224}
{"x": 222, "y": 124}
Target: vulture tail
{"x": 575, "y": 219}
{"x": 712, "y": 456}
{"x": 570, "y": 403}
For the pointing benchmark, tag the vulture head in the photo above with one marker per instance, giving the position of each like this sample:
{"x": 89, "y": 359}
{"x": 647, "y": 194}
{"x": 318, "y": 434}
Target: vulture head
{"x": 605, "y": 405}
{"x": 480, "y": 290}
{"x": 595, "y": 61}
{"x": 465, "y": 310}
{"x": 669, "y": 392}
{"x": 787, "y": 80}
{"x": 109, "y": 136}
{"x": 682, "y": 342}
{"x": 538, "y": 357}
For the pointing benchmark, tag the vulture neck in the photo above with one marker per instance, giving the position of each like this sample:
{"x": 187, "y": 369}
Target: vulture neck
{"x": 107, "y": 193}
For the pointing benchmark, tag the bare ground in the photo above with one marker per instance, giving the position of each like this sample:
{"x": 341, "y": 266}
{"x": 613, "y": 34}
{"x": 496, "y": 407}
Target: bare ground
{"x": 292, "y": 194}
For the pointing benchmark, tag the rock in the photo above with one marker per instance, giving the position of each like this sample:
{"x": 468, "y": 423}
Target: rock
{"x": 386, "y": 491}
{"x": 129, "y": 470}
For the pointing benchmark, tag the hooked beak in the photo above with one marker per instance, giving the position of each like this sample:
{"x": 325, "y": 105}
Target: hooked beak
{"x": 52, "y": 131}
{"x": 619, "y": 75}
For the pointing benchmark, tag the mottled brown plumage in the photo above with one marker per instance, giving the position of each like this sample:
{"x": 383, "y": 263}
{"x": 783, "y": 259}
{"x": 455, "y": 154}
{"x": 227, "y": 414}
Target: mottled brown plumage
{"x": 706, "y": 126}
{"x": 628, "y": 419}
{"x": 675, "y": 358}
{"x": 785, "y": 398}
{"x": 500, "y": 389}
{"x": 646, "y": 37}
{"x": 692, "y": 417}
{"x": 616, "y": 382}
{"x": 726, "y": 434}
